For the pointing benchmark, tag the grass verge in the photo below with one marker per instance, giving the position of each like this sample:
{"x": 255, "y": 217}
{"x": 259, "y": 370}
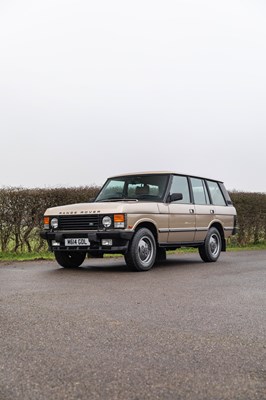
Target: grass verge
{"x": 9, "y": 256}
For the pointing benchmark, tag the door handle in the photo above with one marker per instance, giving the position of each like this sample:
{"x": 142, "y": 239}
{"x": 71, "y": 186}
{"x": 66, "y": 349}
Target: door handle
{"x": 212, "y": 211}
{"x": 191, "y": 210}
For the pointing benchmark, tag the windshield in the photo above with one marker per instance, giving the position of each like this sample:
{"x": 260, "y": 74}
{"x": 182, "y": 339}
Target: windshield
{"x": 134, "y": 187}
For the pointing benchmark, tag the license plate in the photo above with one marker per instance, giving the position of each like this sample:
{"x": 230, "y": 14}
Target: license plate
{"x": 77, "y": 242}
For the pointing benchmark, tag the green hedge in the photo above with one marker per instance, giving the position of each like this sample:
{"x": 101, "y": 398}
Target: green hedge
{"x": 21, "y": 214}
{"x": 251, "y": 211}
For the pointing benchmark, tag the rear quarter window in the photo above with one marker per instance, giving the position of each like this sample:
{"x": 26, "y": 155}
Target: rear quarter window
{"x": 216, "y": 193}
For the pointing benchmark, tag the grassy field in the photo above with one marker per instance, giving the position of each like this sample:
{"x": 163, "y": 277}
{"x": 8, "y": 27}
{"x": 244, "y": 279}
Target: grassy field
{"x": 25, "y": 256}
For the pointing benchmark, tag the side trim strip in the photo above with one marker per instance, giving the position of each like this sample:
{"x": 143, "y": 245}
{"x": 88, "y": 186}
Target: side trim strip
{"x": 177, "y": 230}
{"x": 165, "y": 230}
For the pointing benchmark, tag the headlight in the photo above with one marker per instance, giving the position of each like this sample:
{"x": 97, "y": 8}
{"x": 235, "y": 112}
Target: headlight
{"x": 54, "y": 223}
{"x": 107, "y": 221}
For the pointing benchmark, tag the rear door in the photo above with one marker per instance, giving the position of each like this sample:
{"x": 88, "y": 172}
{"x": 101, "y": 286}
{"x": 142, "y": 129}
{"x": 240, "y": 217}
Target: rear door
{"x": 204, "y": 210}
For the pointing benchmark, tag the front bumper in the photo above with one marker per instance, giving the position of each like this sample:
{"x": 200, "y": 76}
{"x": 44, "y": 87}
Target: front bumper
{"x": 120, "y": 240}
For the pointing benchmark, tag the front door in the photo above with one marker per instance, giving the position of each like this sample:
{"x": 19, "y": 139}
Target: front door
{"x": 181, "y": 213}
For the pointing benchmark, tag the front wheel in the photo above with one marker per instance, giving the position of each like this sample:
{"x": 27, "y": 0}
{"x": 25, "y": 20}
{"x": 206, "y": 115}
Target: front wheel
{"x": 70, "y": 259}
{"x": 211, "y": 249}
{"x": 141, "y": 254}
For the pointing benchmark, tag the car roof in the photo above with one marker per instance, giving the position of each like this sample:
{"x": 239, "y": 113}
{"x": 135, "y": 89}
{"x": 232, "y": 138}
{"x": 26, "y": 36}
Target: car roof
{"x": 163, "y": 173}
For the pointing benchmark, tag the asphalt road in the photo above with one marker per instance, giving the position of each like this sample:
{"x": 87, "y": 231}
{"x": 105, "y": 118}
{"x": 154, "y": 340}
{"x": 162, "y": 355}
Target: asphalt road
{"x": 184, "y": 330}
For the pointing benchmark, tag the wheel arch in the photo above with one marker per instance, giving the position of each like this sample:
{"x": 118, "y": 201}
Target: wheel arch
{"x": 149, "y": 225}
{"x": 220, "y": 229}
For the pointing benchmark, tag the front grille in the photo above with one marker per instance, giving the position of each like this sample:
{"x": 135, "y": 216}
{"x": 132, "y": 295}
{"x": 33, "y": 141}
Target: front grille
{"x": 78, "y": 222}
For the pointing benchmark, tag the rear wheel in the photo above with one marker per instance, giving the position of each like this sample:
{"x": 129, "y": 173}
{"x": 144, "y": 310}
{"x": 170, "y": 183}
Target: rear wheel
{"x": 70, "y": 259}
{"x": 141, "y": 254}
{"x": 211, "y": 249}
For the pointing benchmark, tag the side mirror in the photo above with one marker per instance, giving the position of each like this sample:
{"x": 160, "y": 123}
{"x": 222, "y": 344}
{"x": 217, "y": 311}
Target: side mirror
{"x": 175, "y": 197}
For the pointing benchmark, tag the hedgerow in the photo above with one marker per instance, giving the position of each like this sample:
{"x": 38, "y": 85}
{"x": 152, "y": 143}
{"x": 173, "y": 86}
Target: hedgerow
{"x": 21, "y": 214}
{"x": 251, "y": 212}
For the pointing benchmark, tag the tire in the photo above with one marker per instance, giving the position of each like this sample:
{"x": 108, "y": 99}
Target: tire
{"x": 141, "y": 254}
{"x": 70, "y": 259}
{"x": 211, "y": 249}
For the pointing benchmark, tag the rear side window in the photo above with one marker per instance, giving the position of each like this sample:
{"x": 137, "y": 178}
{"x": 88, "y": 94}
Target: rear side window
{"x": 199, "y": 191}
{"x": 216, "y": 194}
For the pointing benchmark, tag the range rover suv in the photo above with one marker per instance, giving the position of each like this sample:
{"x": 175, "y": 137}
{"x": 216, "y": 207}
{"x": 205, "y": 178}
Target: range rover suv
{"x": 141, "y": 216}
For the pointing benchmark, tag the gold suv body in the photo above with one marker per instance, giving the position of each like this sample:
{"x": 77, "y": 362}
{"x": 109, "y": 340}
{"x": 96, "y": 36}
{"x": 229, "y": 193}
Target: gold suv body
{"x": 142, "y": 215}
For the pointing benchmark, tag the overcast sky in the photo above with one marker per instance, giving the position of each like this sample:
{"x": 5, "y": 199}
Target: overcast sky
{"x": 90, "y": 89}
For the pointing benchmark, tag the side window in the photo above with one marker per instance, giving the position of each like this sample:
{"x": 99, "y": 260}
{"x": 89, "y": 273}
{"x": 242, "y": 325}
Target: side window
{"x": 199, "y": 191}
{"x": 216, "y": 194}
{"x": 180, "y": 185}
